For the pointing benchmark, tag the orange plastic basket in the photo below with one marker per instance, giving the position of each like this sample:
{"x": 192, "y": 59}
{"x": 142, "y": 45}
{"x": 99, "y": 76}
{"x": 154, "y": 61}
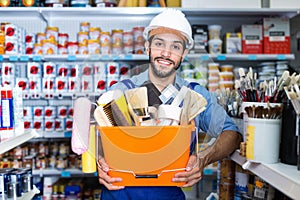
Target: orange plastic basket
{"x": 146, "y": 156}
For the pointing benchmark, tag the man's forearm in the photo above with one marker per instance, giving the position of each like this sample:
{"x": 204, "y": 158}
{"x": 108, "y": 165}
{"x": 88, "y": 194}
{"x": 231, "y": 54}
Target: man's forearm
{"x": 224, "y": 145}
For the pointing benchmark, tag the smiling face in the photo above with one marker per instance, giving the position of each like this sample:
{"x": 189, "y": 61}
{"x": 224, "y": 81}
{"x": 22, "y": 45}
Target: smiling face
{"x": 166, "y": 52}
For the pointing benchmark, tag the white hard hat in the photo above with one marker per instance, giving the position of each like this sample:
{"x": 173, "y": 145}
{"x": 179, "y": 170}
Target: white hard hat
{"x": 172, "y": 19}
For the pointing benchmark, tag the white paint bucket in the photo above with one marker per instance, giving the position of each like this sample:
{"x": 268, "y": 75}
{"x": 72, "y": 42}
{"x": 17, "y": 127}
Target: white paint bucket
{"x": 263, "y": 140}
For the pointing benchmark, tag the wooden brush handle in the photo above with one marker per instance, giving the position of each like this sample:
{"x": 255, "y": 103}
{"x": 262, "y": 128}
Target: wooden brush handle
{"x": 122, "y": 3}
{"x": 142, "y": 3}
{"x": 162, "y": 3}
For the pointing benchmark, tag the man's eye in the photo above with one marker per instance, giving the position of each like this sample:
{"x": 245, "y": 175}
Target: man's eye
{"x": 158, "y": 44}
{"x": 176, "y": 47}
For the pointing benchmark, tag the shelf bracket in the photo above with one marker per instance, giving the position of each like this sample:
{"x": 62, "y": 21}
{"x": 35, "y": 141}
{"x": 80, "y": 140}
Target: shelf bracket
{"x": 43, "y": 17}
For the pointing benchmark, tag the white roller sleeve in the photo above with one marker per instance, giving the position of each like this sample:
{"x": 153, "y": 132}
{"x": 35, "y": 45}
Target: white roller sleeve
{"x": 81, "y": 125}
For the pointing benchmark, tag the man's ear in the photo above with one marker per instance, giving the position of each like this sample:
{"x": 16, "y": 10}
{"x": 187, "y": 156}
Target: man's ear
{"x": 185, "y": 52}
{"x": 147, "y": 47}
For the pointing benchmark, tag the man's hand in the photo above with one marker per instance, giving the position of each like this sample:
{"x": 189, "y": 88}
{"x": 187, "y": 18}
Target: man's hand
{"x": 193, "y": 173}
{"x": 104, "y": 178}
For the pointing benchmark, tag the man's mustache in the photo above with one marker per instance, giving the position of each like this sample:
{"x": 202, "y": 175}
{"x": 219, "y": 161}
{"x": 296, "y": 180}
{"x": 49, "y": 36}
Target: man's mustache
{"x": 163, "y": 58}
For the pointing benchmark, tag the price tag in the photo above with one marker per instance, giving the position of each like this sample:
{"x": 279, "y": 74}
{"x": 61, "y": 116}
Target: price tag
{"x": 281, "y": 57}
{"x": 13, "y": 58}
{"x": 71, "y": 58}
{"x": 252, "y": 57}
{"x": 1, "y": 58}
{"x": 24, "y": 58}
{"x": 37, "y": 58}
{"x": 65, "y": 174}
{"x": 221, "y": 57}
{"x": 68, "y": 134}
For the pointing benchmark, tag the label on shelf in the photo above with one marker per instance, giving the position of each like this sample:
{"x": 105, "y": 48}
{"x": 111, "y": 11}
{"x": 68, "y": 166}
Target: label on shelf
{"x": 252, "y": 57}
{"x": 65, "y": 174}
{"x": 1, "y": 58}
{"x": 24, "y": 58}
{"x": 221, "y": 57}
{"x": 281, "y": 57}
{"x": 36, "y": 58}
{"x": 71, "y": 58}
{"x": 13, "y": 58}
{"x": 68, "y": 134}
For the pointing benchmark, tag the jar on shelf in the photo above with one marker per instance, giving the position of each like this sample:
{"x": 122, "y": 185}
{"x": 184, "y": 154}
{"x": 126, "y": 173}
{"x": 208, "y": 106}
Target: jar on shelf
{"x": 73, "y": 48}
{"x": 52, "y": 33}
{"x": 79, "y": 3}
{"x": 106, "y": 3}
{"x": 56, "y": 3}
{"x": 93, "y": 46}
{"x": 94, "y": 33}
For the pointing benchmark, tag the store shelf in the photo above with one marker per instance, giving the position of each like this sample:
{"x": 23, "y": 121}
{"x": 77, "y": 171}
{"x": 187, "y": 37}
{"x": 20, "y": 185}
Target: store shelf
{"x": 61, "y": 173}
{"x": 142, "y": 57}
{"x": 16, "y": 141}
{"x": 285, "y": 178}
{"x": 56, "y": 134}
{"x": 142, "y": 11}
{"x": 242, "y": 57}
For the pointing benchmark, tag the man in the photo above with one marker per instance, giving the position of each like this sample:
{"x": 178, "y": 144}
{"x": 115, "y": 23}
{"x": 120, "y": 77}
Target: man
{"x": 168, "y": 40}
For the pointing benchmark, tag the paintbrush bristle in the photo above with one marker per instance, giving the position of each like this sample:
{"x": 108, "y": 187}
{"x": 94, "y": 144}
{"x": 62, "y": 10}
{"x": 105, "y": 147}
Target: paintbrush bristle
{"x": 241, "y": 72}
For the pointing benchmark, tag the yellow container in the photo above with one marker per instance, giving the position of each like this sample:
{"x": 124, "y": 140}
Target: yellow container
{"x": 173, "y": 3}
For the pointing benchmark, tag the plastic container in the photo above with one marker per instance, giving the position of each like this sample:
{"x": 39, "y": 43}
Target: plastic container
{"x": 106, "y": 3}
{"x": 226, "y": 76}
{"x": 226, "y": 68}
{"x": 226, "y": 84}
{"x": 215, "y": 46}
{"x": 214, "y": 32}
{"x": 79, "y": 3}
{"x": 263, "y": 140}
{"x": 213, "y": 66}
{"x": 155, "y": 153}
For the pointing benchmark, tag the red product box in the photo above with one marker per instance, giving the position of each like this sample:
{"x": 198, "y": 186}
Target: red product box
{"x": 252, "y": 39}
{"x": 276, "y": 35}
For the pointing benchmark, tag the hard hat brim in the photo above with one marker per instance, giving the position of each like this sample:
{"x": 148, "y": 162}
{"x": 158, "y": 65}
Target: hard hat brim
{"x": 153, "y": 30}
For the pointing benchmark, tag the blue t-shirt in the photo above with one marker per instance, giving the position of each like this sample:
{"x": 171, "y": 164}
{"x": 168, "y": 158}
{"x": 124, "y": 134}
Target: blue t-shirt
{"x": 213, "y": 121}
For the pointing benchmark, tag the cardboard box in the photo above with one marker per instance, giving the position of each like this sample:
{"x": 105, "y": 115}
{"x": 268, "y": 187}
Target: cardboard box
{"x": 220, "y": 4}
{"x": 200, "y": 36}
{"x": 284, "y": 4}
{"x": 252, "y": 39}
{"x": 276, "y": 35}
{"x": 233, "y": 43}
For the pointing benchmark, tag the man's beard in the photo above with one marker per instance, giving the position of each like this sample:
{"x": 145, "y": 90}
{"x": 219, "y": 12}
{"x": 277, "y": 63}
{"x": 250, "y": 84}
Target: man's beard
{"x": 159, "y": 73}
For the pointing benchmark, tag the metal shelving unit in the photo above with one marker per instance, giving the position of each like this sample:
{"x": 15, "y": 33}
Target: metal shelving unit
{"x": 285, "y": 178}
{"x": 18, "y": 140}
{"x": 62, "y": 173}
{"x": 142, "y": 57}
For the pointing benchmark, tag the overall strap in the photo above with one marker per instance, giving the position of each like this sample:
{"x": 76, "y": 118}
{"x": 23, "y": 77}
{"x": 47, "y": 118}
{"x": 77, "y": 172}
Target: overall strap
{"x": 128, "y": 83}
{"x": 192, "y": 85}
